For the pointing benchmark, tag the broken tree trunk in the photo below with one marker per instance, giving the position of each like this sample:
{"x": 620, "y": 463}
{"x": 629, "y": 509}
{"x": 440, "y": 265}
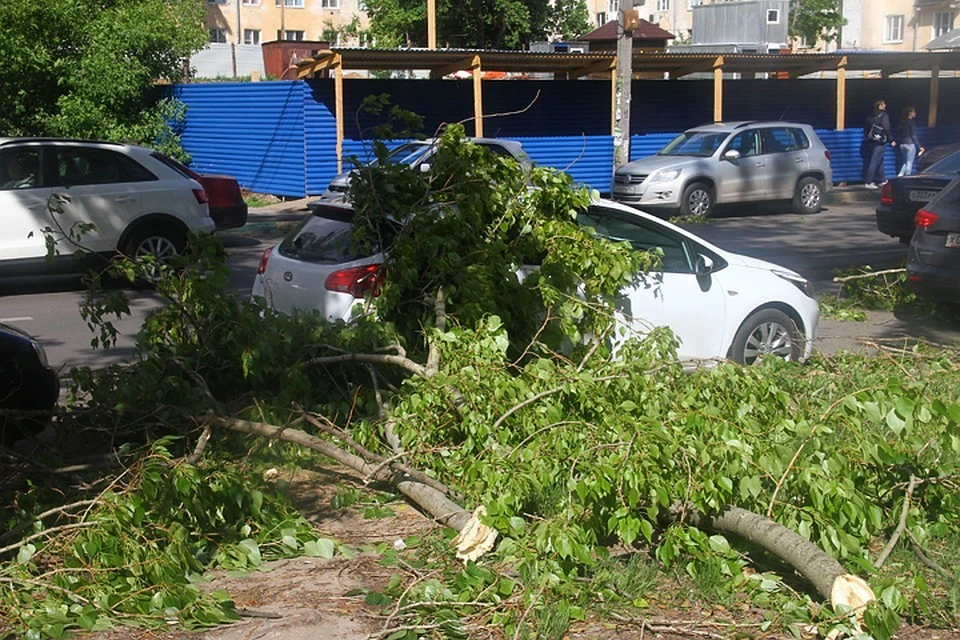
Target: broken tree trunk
{"x": 434, "y": 502}
{"x": 827, "y": 575}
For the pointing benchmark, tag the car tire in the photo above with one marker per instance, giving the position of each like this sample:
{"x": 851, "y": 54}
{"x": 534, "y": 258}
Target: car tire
{"x": 160, "y": 241}
{"x": 809, "y": 196}
{"x": 767, "y": 332}
{"x": 697, "y": 200}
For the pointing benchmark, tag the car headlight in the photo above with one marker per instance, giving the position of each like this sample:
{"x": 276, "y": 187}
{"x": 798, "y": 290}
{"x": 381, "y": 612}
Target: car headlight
{"x": 799, "y": 282}
{"x": 665, "y": 175}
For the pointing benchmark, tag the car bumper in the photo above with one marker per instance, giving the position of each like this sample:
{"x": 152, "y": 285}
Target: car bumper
{"x": 229, "y": 217}
{"x": 896, "y": 223}
{"x": 934, "y": 282}
{"x": 665, "y": 194}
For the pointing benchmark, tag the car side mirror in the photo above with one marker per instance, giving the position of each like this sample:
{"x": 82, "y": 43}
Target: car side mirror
{"x": 703, "y": 265}
{"x": 731, "y": 154}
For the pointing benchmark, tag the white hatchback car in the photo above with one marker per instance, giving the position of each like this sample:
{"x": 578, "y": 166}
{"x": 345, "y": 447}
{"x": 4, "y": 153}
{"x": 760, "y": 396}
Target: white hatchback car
{"x": 719, "y": 304}
{"x": 137, "y": 204}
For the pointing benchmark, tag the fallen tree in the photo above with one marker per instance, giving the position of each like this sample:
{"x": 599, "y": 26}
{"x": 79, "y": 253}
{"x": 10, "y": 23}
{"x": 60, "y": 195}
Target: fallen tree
{"x": 472, "y": 388}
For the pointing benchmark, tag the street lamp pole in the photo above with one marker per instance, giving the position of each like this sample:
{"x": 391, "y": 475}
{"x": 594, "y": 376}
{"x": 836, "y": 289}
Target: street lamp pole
{"x": 627, "y": 21}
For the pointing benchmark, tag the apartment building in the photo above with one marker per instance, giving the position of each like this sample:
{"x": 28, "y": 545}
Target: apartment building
{"x": 897, "y": 25}
{"x": 253, "y": 22}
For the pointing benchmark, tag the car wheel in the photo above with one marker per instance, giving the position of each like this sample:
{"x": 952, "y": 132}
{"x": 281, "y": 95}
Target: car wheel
{"x": 767, "y": 333}
{"x": 162, "y": 242}
{"x": 697, "y": 200}
{"x": 809, "y": 196}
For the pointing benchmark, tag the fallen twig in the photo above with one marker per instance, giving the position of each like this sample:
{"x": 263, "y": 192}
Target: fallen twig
{"x": 901, "y": 525}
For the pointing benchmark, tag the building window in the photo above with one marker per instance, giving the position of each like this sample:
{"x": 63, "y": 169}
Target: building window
{"x": 663, "y": 5}
{"x": 893, "y": 29}
{"x": 694, "y": 3}
{"x": 773, "y": 16}
{"x": 942, "y": 22}
{"x": 290, "y": 3}
{"x": 251, "y": 3}
{"x": 290, "y": 35}
{"x": 329, "y": 4}
{"x": 601, "y": 19}
{"x": 218, "y": 35}
{"x": 251, "y": 36}
{"x": 613, "y": 6}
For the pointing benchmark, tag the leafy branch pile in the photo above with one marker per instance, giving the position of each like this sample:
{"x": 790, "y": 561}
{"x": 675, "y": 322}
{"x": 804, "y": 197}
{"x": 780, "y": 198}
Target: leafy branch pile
{"x": 607, "y": 475}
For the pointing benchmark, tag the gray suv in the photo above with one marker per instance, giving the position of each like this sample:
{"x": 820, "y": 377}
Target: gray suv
{"x": 729, "y": 162}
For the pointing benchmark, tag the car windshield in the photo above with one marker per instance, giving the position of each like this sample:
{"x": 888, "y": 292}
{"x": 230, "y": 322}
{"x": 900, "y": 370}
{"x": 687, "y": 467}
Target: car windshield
{"x": 408, "y": 153}
{"x": 950, "y": 164}
{"x": 701, "y": 144}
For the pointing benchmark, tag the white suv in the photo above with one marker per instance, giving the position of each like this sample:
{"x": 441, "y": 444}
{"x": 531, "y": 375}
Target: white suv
{"x": 137, "y": 204}
{"x": 729, "y": 162}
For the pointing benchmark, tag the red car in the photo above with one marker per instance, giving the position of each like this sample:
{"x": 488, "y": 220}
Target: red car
{"x": 227, "y": 207}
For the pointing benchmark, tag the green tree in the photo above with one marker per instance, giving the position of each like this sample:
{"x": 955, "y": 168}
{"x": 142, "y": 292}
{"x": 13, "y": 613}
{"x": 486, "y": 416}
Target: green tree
{"x": 88, "y": 68}
{"x": 815, "y": 20}
{"x": 483, "y": 24}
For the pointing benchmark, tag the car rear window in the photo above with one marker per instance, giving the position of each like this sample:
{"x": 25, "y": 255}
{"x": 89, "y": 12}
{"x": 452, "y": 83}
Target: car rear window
{"x": 177, "y": 166}
{"x": 950, "y": 164}
{"x": 948, "y": 200}
{"x": 329, "y": 239}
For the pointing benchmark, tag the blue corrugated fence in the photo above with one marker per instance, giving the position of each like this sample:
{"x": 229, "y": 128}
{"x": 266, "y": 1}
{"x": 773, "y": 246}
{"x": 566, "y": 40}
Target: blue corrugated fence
{"x": 280, "y": 137}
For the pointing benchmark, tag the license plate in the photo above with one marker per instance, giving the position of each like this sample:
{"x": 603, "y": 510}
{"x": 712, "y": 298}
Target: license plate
{"x": 922, "y": 196}
{"x": 625, "y": 190}
{"x": 953, "y": 241}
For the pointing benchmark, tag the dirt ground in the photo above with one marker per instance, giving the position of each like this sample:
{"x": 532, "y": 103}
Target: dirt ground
{"x": 315, "y": 599}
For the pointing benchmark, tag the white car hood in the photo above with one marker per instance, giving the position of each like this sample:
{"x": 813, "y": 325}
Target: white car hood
{"x": 756, "y": 263}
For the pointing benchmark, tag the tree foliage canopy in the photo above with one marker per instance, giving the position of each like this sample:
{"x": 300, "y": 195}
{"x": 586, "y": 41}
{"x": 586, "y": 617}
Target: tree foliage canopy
{"x": 814, "y": 20}
{"x": 87, "y": 68}
{"x": 481, "y": 24}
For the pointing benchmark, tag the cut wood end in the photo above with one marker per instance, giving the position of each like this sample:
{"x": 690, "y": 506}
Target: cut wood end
{"x": 853, "y": 592}
{"x": 476, "y": 538}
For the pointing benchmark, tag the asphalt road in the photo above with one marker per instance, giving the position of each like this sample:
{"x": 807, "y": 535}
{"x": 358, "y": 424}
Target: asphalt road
{"x": 816, "y": 246}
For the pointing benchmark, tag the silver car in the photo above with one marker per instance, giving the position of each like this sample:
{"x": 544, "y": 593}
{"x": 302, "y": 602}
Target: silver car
{"x": 726, "y": 163}
{"x": 417, "y": 154}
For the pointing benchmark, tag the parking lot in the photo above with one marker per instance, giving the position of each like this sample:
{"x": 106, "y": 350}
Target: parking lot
{"x": 843, "y": 235}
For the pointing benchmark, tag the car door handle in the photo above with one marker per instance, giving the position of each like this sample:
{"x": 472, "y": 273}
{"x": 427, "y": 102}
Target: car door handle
{"x": 123, "y": 199}
{"x": 798, "y": 160}
{"x": 761, "y": 164}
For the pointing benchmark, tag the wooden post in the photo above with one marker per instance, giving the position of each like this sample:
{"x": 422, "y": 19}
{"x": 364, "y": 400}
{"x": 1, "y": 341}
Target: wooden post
{"x": 842, "y": 94}
{"x": 431, "y": 24}
{"x": 338, "y": 100}
{"x": 934, "y": 92}
{"x": 718, "y": 89}
{"x": 477, "y": 97}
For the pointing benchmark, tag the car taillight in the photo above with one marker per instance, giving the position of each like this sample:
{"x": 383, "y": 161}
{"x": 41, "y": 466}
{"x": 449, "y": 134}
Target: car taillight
{"x": 357, "y": 281}
{"x": 925, "y": 218}
{"x": 826, "y": 152}
{"x": 262, "y": 269}
{"x": 886, "y": 194}
{"x": 200, "y": 195}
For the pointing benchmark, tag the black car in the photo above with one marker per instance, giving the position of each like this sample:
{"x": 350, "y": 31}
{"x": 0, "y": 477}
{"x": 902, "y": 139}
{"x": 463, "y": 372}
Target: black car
{"x": 933, "y": 260}
{"x": 902, "y": 197}
{"x": 29, "y": 387}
